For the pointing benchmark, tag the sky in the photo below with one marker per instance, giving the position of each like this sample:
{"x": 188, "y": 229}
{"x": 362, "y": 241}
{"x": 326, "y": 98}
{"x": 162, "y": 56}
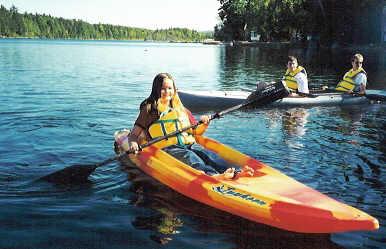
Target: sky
{"x": 200, "y": 15}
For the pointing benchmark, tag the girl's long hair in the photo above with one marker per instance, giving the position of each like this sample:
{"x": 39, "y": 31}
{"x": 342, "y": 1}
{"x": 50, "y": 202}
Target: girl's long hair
{"x": 152, "y": 102}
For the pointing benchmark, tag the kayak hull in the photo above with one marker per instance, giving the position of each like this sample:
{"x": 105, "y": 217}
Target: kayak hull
{"x": 218, "y": 100}
{"x": 212, "y": 100}
{"x": 323, "y": 99}
{"x": 269, "y": 197}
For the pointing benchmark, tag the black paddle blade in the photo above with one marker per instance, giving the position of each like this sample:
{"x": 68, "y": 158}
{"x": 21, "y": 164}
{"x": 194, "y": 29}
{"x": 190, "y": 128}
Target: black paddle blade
{"x": 71, "y": 175}
{"x": 267, "y": 93}
{"x": 78, "y": 173}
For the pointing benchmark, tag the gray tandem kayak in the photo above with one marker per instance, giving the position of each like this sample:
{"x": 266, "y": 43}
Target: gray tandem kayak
{"x": 218, "y": 100}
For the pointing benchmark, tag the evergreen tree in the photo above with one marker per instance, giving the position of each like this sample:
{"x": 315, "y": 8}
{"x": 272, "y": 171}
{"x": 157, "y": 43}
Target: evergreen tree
{"x": 344, "y": 21}
{"x": 14, "y": 24}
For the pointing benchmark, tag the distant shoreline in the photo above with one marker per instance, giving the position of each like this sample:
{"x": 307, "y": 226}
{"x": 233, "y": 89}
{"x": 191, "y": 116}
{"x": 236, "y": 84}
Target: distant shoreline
{"x": 273, "y": 45}
{"x": 17, "y": 25}
{"x": 289, "y": 44}
{"x": 78, "y": 39}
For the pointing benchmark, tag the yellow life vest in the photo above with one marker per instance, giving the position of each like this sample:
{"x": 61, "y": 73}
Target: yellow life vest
{"x": 289, "y": 78}
{"x": 169, "y": 122}
{"x": 348, "y": 84}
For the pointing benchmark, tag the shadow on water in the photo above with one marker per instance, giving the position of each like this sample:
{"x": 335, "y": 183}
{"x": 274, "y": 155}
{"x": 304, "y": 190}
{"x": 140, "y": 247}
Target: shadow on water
{"x": 174, "y": 214}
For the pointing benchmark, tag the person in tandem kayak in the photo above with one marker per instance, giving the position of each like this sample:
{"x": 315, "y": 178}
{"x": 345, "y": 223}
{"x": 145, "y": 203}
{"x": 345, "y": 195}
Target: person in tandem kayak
{"x": 355, "y": 80}
{"x": 296, "y": 78}
{"x": 163, "y": 113}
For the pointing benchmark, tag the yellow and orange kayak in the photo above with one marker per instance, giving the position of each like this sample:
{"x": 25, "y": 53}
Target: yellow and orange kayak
{"x": 269, "y": 197}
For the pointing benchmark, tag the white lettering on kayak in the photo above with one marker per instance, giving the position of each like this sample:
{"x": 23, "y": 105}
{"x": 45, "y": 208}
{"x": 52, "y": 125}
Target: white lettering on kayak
{"x": 233, "y": 192}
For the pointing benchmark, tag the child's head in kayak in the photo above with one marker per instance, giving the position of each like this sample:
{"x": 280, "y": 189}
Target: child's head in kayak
{"x": 164, "y": 93}
{"x": 357, "y": 61}
{"x": 292, "y": 63}
{"x": 158, "y": 82}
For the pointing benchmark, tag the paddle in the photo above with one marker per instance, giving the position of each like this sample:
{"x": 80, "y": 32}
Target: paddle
{"x": 80, "y": 172}
{"x": 260, "y": 86}
{"x": 308, "y": 95}
{"x": 372, "y": 96}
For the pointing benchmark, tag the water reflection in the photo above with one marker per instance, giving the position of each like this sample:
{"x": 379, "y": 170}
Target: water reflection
{"x": 351, "y": 125}
{"x": 173, "y": 213}
{"x": 358, "y": 128}
{"x": 294, "y": 121}
{"x": 243, "y": 66}
{"x": 164, "y": 222}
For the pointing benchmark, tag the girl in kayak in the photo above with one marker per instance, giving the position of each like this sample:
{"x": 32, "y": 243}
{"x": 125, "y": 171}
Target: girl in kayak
{"x": 163, "y": 113}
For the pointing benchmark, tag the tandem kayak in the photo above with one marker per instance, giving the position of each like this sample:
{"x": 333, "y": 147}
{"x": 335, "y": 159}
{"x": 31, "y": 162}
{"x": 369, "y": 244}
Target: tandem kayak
{"x": 269, "y": 197}
{"x": 217, "y": 100}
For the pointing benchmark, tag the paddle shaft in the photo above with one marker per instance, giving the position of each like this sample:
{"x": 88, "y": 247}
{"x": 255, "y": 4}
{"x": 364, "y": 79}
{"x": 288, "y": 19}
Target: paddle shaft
{"x": 174, "y": 133}
{"x": 270, "y": 90}
{"x": 371, "y": 96}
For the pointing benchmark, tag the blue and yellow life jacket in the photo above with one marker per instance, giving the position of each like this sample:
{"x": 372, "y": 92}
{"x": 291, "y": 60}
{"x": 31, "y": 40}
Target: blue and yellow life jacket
{"x": 289, "y": 78}
{"x": 348, "y": 83}
{"x": 169, "y": 122}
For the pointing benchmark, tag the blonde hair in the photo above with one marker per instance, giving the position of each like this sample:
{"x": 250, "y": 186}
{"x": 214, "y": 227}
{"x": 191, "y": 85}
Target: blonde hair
{"x": 357, "y": 56}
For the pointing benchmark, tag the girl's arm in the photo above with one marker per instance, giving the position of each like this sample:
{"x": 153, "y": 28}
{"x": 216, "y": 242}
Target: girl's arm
{"x": 136, "y": 134}
{"x": 202, "y": 127}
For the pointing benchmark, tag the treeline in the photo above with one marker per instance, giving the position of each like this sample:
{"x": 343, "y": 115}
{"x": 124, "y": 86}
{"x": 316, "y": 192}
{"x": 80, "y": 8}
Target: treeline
{"x": 15, "y": 24}
{"x": 328, "y": 21}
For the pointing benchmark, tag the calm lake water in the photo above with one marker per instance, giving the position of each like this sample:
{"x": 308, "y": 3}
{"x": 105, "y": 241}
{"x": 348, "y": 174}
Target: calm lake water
{"x": 61, "y": 101}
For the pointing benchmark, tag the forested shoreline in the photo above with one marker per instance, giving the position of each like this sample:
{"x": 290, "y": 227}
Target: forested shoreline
{"x": 347, "y": 22}
{"x": 14, "y": 25}
{"x": 328, "y": 22}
